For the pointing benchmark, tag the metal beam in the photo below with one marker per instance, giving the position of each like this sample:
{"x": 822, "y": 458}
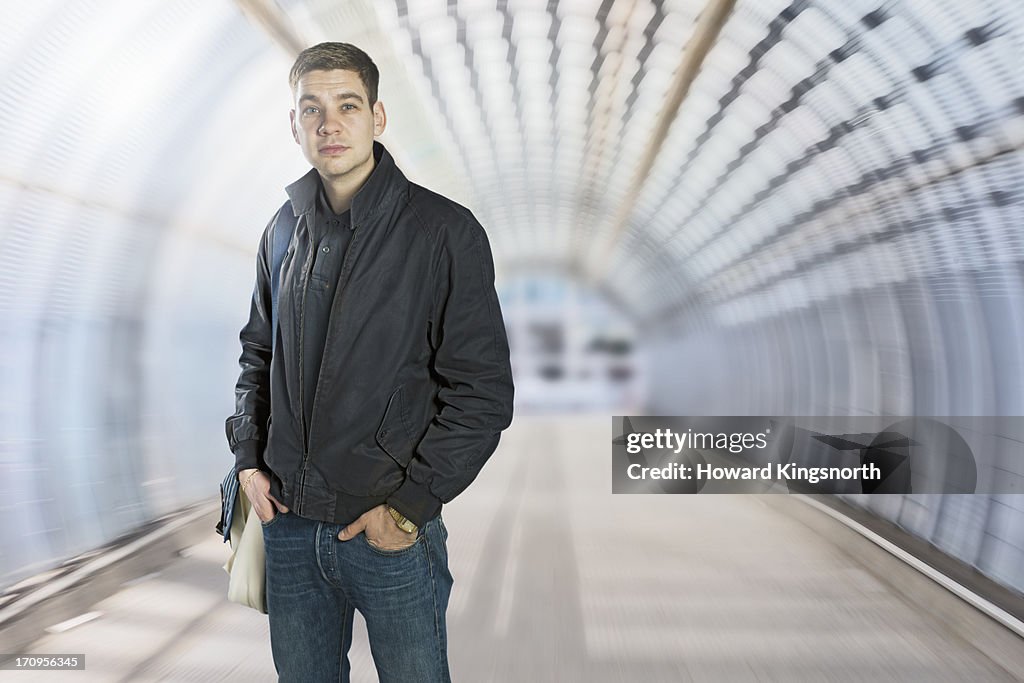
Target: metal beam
{"x": 709, "y": 25}
{"x": 267, "y": 15}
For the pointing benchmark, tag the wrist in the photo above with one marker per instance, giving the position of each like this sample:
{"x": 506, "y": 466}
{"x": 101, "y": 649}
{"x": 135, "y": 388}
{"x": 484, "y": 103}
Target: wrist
{"x": 245, "y": 477}
{"x": 243, "y": 474}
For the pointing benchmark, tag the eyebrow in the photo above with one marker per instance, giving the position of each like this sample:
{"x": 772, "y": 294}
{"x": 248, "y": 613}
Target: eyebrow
{"x": 343, "y": 95}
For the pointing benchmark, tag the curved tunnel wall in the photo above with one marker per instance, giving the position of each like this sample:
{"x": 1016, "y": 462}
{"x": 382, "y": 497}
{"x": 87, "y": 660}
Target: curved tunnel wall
{"x": 856, "y": 250}
{"x": 829, "y": 226}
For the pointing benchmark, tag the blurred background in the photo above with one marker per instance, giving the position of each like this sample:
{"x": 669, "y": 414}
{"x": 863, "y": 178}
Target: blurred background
{"x": 696, "y": 207}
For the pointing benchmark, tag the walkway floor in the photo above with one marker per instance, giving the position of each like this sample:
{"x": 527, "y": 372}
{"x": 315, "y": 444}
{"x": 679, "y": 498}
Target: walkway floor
{"x": 558, "y": 580}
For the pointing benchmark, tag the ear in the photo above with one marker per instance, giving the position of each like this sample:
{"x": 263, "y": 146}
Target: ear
{"x": 295, "y": 133}
{"x": 380, "y": 119}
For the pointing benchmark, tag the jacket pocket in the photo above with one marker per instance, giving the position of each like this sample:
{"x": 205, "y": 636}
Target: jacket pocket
{"x": 393, "y": 433}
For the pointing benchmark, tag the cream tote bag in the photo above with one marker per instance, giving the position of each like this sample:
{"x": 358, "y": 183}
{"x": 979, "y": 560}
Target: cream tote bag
{"x": 246, "y": 566}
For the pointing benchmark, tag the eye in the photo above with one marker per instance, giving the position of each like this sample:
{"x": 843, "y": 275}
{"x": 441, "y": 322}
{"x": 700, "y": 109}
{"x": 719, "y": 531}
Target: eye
{"x": 348, "y": 106}
{"x": 310, "y": 110}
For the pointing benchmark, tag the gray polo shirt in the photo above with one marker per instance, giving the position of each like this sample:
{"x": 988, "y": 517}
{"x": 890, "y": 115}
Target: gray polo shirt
{"x": 329, "y": 237}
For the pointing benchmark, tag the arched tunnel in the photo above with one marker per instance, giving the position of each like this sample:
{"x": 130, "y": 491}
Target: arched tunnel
{"x": 696, "y": 208}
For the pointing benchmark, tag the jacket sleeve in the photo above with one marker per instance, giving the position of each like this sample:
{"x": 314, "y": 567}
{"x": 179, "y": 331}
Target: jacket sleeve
{"x": 247, "y": 427}
{"x": 471, "y": 363}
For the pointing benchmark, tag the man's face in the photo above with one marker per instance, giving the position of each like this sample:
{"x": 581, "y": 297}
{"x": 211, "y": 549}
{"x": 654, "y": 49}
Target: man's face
{"x": 334, "y": 123}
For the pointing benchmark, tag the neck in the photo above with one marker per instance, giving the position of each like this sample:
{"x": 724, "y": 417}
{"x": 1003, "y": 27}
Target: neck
{"x": 341, "y": 189}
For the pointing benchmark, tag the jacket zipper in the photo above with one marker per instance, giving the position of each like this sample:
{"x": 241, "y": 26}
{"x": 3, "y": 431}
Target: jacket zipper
{"x": 302, "y": 410}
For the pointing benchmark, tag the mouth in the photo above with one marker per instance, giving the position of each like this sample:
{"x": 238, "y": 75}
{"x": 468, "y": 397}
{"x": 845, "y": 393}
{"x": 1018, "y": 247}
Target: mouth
{"x": 330, "y": 150}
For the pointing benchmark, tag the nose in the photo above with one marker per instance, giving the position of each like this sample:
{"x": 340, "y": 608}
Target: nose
{"x": 330, "y": 124}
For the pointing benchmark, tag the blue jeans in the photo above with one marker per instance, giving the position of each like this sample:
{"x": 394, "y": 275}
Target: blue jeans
{"x": 316, "y": 582}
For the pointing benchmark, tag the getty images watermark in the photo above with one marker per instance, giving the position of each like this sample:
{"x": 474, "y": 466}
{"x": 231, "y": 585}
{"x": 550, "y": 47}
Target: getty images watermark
{"x": 861, "y": 454}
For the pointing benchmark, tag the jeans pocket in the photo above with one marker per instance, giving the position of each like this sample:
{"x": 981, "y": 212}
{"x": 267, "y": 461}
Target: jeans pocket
{"x": 273, "y": 519}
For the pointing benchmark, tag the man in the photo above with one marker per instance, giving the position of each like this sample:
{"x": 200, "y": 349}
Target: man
{"x": 378, "y": 397}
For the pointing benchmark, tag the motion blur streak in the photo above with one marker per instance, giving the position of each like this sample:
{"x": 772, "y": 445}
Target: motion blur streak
{"x": 819, "y": 215}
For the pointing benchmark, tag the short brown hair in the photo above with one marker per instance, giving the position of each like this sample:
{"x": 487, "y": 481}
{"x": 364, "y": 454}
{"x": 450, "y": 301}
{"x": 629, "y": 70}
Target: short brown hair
{"x": 327, "y": 56}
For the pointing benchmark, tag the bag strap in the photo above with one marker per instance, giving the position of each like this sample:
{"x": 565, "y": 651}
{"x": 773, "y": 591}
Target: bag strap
{"x": 284, "y": 227}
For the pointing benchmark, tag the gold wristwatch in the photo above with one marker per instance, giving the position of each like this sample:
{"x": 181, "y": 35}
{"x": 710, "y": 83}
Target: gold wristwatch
{"x": 403, "y": 522}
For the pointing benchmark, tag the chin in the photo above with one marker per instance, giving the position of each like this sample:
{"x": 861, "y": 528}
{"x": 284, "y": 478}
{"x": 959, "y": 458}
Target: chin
{"x": 342, "y": 166}
{"x": 329, "y": 168}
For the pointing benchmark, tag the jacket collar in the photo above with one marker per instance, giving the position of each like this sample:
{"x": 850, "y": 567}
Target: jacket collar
{"x": 385, "y": 184}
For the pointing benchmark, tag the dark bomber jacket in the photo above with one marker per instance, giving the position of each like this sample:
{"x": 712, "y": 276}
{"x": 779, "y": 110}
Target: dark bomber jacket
{"x": 415, "y": 384}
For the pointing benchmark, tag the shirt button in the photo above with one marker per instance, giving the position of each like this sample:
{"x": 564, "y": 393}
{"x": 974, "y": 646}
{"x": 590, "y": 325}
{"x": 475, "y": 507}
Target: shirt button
{"x": 326, "y": 249}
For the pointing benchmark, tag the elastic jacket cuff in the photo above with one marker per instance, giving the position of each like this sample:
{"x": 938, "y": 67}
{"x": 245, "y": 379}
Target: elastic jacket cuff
{"x": 415, "y": 502}
{"x": 247, "y": 455}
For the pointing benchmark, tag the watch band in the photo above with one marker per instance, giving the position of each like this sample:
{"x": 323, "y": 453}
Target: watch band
{"x": 403, "y": 522}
